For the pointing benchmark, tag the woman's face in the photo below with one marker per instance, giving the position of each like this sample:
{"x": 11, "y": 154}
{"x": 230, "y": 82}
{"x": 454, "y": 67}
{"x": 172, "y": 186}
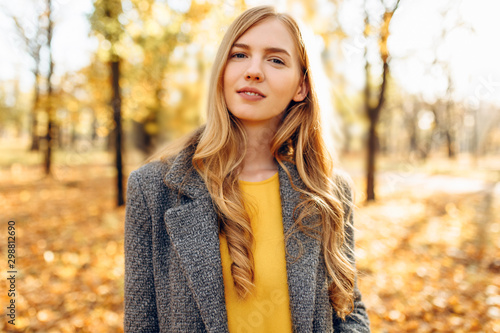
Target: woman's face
{"x": 262, "y": 74}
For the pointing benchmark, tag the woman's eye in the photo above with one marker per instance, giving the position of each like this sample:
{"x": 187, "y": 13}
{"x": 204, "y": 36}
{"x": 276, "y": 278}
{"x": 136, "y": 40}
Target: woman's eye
{"x": 277, "y": 61}
{"x": 238, "y": 55}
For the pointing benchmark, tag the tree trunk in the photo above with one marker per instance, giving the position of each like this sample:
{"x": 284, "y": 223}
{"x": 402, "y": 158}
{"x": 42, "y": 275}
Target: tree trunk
{"x": 450, "y": 142}
{"x": 116, "y": 103}
{"x": 373, "y": 111}
{"x": 412, "y": 122}
{"x": 373, "y": 114}
{"x": 370, "y": 166}
{"x": 48, "y": 138}
{"x": 141, "y": 138}
{"x": 48, "y": 147}
{"x": 35, "y": 140}
{"x": 110, "y": 140}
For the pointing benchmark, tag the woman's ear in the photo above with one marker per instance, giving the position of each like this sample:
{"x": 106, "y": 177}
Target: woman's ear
{"x": 301, "y": 92}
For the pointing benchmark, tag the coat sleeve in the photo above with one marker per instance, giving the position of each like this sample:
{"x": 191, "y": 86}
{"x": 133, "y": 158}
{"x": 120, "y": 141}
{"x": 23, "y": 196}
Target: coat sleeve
{"x": 357, "y": 321}
{"x": 140, "y": 300}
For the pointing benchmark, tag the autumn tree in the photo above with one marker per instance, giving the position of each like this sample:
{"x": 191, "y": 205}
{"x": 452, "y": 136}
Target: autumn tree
{"x": 49, "y": 103}
{"x": 375, "y": 94}
{"x": 33, "y": 35}
{"x": 157, "y": 41}
{"x": 445, "y": 111}
{"x": 165, "y": 28}
{"x": 36, "y": 36}
{"x": 105, "y": 22}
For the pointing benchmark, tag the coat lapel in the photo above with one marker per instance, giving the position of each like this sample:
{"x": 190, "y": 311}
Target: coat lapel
{"x": 301, "y": 272}
{"x": 194, "y": 233}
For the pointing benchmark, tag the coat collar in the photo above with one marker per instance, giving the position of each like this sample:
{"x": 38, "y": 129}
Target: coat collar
{"x": 184, "y": 178}
{"x": 193, "y": 229}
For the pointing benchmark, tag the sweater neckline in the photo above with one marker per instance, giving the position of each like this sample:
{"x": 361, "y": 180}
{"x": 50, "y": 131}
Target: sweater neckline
{"x": 260, "y": 182}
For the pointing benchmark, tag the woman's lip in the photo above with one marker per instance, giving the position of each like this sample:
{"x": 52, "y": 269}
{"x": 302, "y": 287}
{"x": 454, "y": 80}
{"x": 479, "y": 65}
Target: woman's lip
{"x": 248, "y": 97}
{"x": 251, "y": 90}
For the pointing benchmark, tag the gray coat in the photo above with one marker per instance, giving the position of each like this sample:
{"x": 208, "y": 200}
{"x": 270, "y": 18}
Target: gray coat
{"x": 173, "y": 270}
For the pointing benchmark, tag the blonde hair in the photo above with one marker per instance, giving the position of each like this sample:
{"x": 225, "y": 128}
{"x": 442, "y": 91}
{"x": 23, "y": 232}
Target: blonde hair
{"x": 218, "y": 159}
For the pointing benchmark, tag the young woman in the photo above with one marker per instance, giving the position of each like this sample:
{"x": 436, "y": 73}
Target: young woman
{"x": 243, "y": 226}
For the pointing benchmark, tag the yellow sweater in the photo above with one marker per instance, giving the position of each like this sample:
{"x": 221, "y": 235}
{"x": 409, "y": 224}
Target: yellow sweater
{"x": 268, "y": 308}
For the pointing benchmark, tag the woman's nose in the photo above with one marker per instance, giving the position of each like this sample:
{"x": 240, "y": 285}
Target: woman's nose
{"x": 254, "y": 72}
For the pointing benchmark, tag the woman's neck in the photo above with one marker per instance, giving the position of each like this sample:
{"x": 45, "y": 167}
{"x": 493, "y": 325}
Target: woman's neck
{"x": 258, "y": 163}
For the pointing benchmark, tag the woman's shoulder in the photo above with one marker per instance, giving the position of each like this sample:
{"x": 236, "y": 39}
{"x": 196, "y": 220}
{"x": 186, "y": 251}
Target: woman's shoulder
{"x": 151, "y": 170}
{"x": 163, "y": 171}
{"x": 150, "y": 177}
{"x": 344, "y": 183}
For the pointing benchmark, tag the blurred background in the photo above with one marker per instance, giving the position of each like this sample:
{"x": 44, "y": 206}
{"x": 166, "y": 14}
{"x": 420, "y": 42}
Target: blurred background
{"x": 410, "y": 92}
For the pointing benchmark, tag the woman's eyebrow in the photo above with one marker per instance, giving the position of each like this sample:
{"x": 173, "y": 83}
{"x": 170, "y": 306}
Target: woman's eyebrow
{"x": 267, "y": 49}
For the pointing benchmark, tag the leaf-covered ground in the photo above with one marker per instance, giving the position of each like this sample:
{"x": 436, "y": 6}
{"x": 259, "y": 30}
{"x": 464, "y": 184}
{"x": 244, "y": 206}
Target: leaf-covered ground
{"x": 69, "y": 250}
{"x": 428, "y": 260}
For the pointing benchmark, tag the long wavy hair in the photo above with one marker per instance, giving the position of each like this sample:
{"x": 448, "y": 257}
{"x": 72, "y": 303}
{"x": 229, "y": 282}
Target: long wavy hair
{"x": 218, "y": 159}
